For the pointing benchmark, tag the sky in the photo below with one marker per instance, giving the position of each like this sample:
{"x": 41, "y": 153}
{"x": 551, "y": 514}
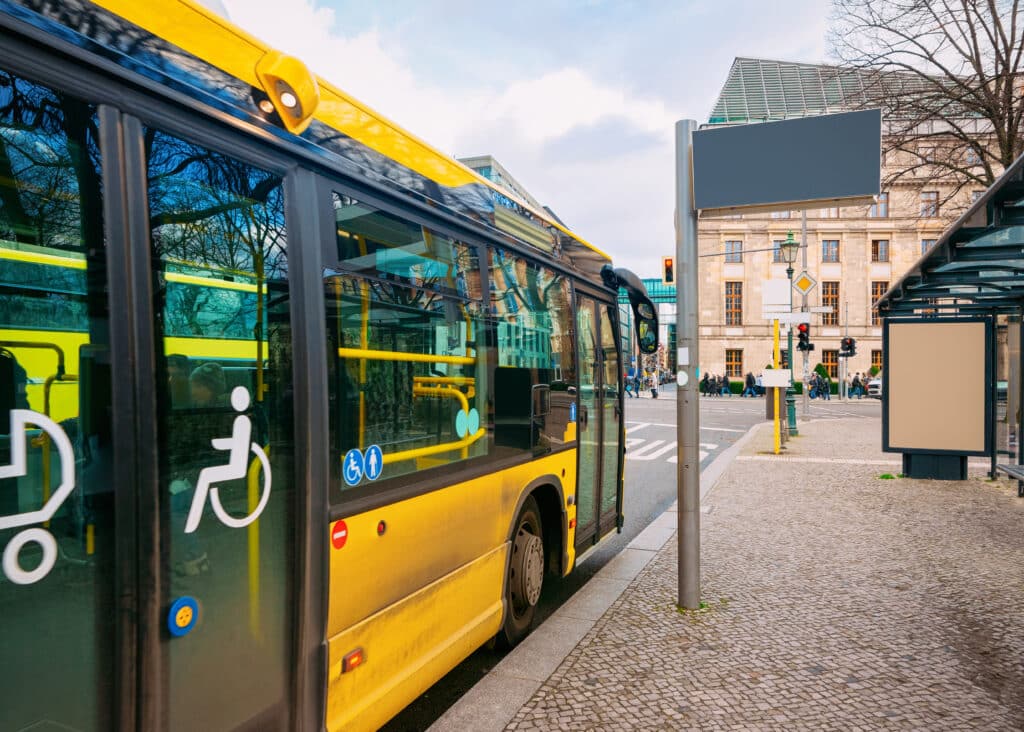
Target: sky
{"x": 576, "y": 98}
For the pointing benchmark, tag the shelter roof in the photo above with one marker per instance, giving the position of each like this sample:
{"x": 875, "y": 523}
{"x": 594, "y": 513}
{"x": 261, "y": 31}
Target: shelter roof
{"x": 977, "y": 265}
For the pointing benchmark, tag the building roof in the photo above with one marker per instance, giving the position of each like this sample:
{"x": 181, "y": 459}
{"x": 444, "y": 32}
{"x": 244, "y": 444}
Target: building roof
{"x": 761, "y": 90}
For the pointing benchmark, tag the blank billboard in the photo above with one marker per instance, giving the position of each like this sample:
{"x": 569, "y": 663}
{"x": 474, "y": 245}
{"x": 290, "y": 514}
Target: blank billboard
{"x": 831, "y": 158}
{"x": 937, "y": 386}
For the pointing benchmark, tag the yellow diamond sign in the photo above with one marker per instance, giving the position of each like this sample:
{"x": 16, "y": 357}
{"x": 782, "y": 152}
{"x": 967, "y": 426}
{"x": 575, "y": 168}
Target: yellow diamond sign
{"x": 804, "y": 283}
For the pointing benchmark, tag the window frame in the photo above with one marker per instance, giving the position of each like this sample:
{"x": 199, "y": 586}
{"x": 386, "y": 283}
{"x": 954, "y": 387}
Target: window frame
{"x": 733, "y": 255}
{"x": 830, "y": 360}
{"x": 880, "y": 209}
{"x": 929, "y": 204}
{"x": 878, "y": 252}
{"x": 878, "y": 288}
{"x": 830, "y": 254}
{"x": 734, "y": 315}
{"x": 731, "y": 362}
{"x": 830, "y": 298}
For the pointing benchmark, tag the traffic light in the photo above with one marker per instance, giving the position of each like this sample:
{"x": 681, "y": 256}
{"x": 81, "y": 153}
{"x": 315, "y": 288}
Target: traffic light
{"x": 668, "y": 270}
{"x": 803, "y": 335}
{"x": 848, "y": 347}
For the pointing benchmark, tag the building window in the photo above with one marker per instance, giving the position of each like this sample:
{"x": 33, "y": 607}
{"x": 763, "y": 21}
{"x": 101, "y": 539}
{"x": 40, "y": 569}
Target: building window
{"x": 975, "y": 195}
{"x": 777, "y": 251}
{"x": 926, "y": 244}
{"x": 830, "y": 250}
{"x": 734, "y": 251}
{"x": 830, "y": 298}
{"x": 927, "y": 153}
{"x": 734, "y": 303}
{"x": 734, "y": 362}
{"x": 877, "y": 290}
{"x": 929, "y": 204}
{"x": 782, "y": 214}
{"x": 830, "y": 213}
{"x": 971, "y": 156}
{"x": 879, "y": 250}
{"x": 876, "y": 358}
{"x": 830, "y": 360}
{"x": 880, "y": 209}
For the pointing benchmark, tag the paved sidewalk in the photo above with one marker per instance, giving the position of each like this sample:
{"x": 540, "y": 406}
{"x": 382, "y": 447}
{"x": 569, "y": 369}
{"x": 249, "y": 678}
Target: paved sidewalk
{"x": 836, "y": 600}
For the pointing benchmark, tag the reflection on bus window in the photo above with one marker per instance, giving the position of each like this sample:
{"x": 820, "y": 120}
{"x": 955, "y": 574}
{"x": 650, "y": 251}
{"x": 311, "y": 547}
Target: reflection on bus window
{"x": 57, "y": 631}
{"x": 535, "y": 383}
{"x": 406, "y": 355}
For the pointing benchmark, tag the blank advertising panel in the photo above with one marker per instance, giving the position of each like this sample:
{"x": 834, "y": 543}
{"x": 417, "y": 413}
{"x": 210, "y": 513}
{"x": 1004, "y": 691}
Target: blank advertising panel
{"x": 827, "y": 158}
{"x": 937, "y": 386}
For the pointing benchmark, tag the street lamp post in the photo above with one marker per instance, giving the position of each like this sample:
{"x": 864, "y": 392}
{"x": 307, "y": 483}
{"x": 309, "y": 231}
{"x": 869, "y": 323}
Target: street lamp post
{"x": 789, "y": 248}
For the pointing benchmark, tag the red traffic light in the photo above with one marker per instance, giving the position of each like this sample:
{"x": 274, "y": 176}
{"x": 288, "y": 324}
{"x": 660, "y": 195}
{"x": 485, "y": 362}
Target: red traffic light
{"x": 802, "y": 328}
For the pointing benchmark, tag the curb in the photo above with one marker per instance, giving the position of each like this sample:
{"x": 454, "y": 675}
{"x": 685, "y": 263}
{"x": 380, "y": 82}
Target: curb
{"x": 494, "y": 700}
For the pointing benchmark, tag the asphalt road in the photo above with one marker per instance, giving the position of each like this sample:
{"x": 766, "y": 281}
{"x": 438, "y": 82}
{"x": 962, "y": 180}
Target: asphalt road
{"x": 650, "y": 488}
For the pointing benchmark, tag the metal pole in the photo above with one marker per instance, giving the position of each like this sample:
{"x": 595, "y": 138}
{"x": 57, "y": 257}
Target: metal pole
{"x": 687, "y": 405}
{"x": 791, "y": 428}
{"x": 775, "y": 390}
{"x": 803, "y": 242}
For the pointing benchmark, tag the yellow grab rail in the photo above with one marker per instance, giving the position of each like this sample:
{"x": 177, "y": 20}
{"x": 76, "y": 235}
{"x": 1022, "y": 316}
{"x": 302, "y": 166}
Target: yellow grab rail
{"x": 372, "y": 355}
{"x": 469, "y": 381}
{"x": 394, "y": 457}
{"x": 442, "y": 391}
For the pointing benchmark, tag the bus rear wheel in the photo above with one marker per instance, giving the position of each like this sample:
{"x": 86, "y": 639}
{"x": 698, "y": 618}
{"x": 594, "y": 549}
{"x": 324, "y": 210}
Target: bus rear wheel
{"x": 525, "y": 574}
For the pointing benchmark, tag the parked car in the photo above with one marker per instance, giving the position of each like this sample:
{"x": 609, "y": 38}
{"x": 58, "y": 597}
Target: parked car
{"x": 875, "y": 387}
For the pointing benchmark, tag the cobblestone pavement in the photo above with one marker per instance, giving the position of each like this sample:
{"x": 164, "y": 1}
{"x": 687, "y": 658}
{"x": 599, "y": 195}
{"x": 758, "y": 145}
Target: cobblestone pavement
{"x": 836, "y": 600}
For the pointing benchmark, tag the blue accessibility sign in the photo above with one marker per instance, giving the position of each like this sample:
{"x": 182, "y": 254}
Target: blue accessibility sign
{"x": 572, "y": 412}
{"x": 352, "y": 467}
{"x": 373, "y": 462}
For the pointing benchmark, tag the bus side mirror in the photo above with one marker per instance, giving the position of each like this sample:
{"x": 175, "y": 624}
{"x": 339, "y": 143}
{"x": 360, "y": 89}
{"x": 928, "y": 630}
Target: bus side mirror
{"x": 644, "y": 313}
{"x": 646, "y": 325}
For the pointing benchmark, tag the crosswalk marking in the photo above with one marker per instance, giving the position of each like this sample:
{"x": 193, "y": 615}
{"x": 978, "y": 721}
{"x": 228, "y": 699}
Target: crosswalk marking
{"x": 651, "y": 450}
{"x": 639, "y": 448}
{"x": 702, "y": 453}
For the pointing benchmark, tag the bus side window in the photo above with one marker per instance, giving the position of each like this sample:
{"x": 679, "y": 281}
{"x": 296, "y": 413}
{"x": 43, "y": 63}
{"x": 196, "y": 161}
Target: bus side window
{"x": 535, "y": 382}
{"x": 406, "y": 348}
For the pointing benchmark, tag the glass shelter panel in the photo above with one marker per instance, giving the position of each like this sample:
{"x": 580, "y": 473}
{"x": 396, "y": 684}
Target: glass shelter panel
{"x": 406, "y": 348}
{"x": 224, "y": 354}
{"x": 56, "y": 452}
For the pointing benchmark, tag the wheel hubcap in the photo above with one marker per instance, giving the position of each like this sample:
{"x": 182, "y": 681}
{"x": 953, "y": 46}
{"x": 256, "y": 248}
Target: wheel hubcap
{"x": 527, "y": 568}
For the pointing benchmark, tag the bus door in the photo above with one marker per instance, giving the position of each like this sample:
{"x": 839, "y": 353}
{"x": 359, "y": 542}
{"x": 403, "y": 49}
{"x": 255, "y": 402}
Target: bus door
{"x": 58, "y": 538}
{"x": 598, "y": 498}
{"x": 225, "y": 486}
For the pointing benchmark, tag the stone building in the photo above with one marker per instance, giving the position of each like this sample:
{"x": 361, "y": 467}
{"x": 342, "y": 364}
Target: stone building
{"x": 853, "y": 253}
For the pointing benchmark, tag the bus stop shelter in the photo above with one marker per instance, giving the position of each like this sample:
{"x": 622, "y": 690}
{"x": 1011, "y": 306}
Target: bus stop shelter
{"x": 973, "y": 274}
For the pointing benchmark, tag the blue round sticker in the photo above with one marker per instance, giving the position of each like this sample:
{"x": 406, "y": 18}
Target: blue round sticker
{"x": 182, "y": 616}
{"x": 374, "y": 462}
{"x": 352, "y": 467}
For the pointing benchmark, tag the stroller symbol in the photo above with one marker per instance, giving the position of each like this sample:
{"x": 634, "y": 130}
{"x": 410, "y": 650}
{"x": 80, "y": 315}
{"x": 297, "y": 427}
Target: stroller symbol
{"x": 239, "y": 445}
{"x": 20, "y": 418}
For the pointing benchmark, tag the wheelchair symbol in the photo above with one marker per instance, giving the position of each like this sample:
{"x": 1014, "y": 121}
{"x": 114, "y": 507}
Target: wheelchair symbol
{"x": 20, "y": 418}
{"x": 239, "y": 445}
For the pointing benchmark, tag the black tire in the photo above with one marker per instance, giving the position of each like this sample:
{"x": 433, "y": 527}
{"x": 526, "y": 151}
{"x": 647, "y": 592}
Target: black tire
{"x": 524, "y": 576}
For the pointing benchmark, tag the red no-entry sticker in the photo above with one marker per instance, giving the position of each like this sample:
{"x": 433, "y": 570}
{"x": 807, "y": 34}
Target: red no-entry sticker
{"x": 339, "y": 534}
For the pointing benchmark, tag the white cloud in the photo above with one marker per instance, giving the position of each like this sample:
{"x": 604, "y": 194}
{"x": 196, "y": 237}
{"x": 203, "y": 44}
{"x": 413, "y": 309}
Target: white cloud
{"x": 579, "y": 138}
{"x": 616, "y": 200}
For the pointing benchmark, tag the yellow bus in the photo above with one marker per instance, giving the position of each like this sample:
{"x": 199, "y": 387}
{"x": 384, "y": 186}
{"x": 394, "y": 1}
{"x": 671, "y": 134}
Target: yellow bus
{"x": 296, "y": 412}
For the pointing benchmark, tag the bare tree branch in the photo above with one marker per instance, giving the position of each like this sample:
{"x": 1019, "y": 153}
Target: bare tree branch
{"x": 948, "y": 75}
